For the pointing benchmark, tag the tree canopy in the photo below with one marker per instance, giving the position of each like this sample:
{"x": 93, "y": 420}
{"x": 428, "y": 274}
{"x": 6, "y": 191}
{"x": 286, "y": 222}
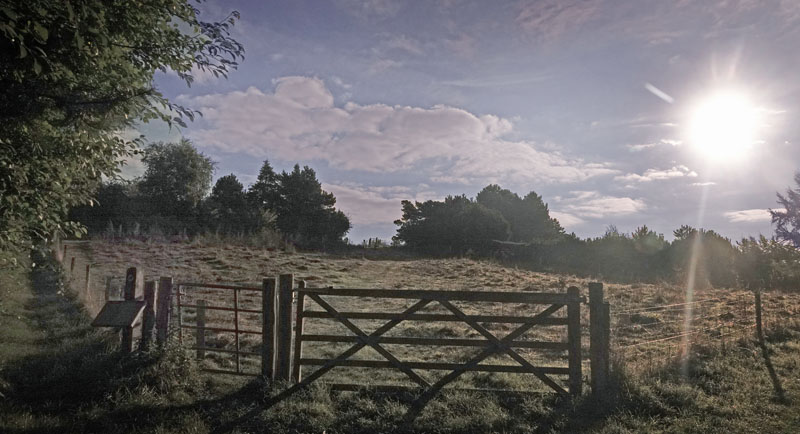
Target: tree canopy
{"x": 787, "y": 221}
{"x": 73, "y": 75}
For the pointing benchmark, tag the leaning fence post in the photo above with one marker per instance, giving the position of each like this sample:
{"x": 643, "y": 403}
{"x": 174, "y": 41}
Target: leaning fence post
{"x": 87, "y": 286}
{"x": 298, "y": 332}
{"x": 283, "y": 347}
{"x": 268, "y": 328}
{"x": 598, "y": 344}
{"x": 759, "y": 326}
{"x": 200, "y": 336}
{"x": 574, "y": 338}
{"x": 163, "y": 309}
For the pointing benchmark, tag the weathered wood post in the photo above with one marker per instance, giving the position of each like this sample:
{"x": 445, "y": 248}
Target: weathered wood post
{"x": 283, "y": 346}
{"x": 574, "y": 338}
{"x": 87, "y": 286}
{"x": 133, "y": 290}
{"x": 149, "y": 315}
{"x": 759, "y": 325}
{"x": 163, "y": 309}
{"x": 64, "y": 253}
{"x": 108, "y": 288}
{"x": 298, "y": 332}
{"x": 268, "y": 306}
{"x": 71, "y": 266}
{"x": 599, "y": 339}
{"x": 200, "y": 335}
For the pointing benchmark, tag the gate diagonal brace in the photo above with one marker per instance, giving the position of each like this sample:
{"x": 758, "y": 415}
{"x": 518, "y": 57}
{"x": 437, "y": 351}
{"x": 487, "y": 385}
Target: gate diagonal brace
{"x": 370, "y": 341}
{"x": 494, "y": 347}
{"x": 501, "y": 345}
{"x": 343, "y": 356}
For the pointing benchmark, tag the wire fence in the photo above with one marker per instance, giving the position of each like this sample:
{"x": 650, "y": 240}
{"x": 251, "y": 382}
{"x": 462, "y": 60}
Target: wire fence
{"x": 653, "y": 336}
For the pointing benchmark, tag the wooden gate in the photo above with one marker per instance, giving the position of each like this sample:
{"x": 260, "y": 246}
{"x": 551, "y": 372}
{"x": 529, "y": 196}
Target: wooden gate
{"x": 231, "y": 303}
{"x": 491, "y": 344}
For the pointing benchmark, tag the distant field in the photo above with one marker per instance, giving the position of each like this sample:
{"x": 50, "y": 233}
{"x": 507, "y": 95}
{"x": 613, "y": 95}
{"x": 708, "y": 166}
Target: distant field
{"x": 648, "y": 320}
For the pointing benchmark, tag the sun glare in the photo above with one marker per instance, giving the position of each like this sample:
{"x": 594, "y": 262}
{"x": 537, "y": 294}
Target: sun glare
{"x": 723, "y": 126}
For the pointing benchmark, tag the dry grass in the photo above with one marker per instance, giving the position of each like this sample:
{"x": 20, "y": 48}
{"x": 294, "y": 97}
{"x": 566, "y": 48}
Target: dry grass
{"x": 720, "y": 317}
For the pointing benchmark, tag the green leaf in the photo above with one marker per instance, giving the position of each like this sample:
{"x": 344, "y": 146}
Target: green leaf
{"x": 41, "y": 32}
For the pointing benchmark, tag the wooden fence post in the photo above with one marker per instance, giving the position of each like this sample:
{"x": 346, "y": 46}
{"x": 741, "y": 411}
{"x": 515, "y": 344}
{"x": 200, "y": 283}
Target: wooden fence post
{"x": 283, "y": 350}
{"x": 759, "y": 325}
{"x": 268, "y": 328}
{"x": 298, "y": 332}
{"x": 132, "y": 279}
{"x": 108, "y": 287}
{"x": 71, "y": 266}
{"x": 598, "y": 344}
{"x": 88, "y": 286}
{"x": 200, "y": 336}
{"x": 64, "y": 255}
{"x": 149, "y": 315}
{"x": 574, "y": 338}
{"x": 163, "y": 309}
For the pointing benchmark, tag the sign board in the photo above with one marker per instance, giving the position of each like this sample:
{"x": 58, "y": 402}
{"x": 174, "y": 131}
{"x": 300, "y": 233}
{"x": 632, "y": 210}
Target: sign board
{"x": 120, "y": 314}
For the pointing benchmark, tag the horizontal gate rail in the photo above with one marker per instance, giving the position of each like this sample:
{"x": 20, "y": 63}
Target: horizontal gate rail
{"x": 438, "y": 317}
{"x": 422, "y": 294}
{"x": 217, "y": 286}
{"x": 557, "y": 346}
{"x": 227, "y": 309}
{"x": 441, "y": 366}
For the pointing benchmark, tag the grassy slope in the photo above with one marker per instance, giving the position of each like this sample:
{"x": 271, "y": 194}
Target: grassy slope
{"x": 59, "y": 375}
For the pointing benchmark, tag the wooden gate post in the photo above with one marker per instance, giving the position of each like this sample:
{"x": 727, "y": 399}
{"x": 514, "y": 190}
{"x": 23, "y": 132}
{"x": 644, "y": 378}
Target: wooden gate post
{"x": 574, "y": 338}
{"x": 71, "y": 266}
{"x": 88, "y": 286}
{"x": 759, "y": 325}
{"x": 163, "y": 309}
{"x": 599, "y": 339}
{"x": 298, "y": 332}
{"x": 283, "y": 347}
{"x": 200, "y": 336}
{"x": 268, "y": 306}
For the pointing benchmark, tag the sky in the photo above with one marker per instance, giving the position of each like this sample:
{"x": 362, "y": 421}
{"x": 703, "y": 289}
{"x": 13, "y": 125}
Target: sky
{"x": 593, "y": 104}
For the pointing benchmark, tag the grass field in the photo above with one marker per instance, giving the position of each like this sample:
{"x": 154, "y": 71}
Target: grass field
{"x": 716, "y": 390}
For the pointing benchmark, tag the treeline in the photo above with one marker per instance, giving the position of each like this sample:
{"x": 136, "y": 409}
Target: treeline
{"x": 499, "y": 223}
{"x": 172, "y": 197}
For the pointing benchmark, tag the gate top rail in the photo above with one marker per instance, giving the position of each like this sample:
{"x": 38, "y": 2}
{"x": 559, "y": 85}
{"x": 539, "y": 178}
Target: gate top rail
{"x": 217, "y": 286}
{"x": 422, "y": 294}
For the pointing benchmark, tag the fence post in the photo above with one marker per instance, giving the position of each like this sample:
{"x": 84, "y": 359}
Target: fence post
{"x": 71, "y": 266}
{"x": 598, "y": 344}
{"x": 108, "y": 287}
{"x": 88, "y": 286}
{"x": 574, "y": 338}
{"x": 298, "y": 332}
{"x": 132, "y": 279}
{"x": 759, "y": 326}
{"x": 200, "y": 336}
{"x": 64, "y": 255}
{"x": 163, "y": 309}
{"x": 268, "y": 328}
{"x": 283, "y": 350}
{"x": 149, "y": 316}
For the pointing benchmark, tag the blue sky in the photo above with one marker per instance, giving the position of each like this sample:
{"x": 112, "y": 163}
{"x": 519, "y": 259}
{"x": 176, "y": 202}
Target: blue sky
{"x": 588, "y": 103}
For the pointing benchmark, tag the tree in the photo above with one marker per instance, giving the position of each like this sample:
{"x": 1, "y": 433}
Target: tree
{"x": 788, "y": 221}
{"x": 305, "y": 212}
{"x": 73, "y": 74}
{"x": 228, "y": 207}
{"x": 176, "y": 179}
{"x": 529, "y": 219}
{"x": 264, "y": 194}
{"x": 453, "y": 226}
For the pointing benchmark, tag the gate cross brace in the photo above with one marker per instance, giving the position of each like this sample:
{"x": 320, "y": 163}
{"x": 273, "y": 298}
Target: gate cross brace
{"x": 502, "y": 345}
{"x": 346, "y": 354}
{"x": 495, "y": 347}
{"x": 371, "y": 341}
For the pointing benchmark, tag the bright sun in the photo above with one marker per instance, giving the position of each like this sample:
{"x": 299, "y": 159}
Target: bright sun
{"x": 723, "y": 126}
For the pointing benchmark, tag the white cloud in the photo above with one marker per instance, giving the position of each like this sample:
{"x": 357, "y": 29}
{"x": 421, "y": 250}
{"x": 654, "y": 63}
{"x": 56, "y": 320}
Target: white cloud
{"x": 567, "y": 220}
{"x": 679, "y": 171}
{"x": 299, "y": 122}
{"x": 592, "y": 204}
{"x": 643, "y": 146}
{"x": 748, "y": 216}
{"x": 367, "y": 205}
{"x": 404, "y": 43}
